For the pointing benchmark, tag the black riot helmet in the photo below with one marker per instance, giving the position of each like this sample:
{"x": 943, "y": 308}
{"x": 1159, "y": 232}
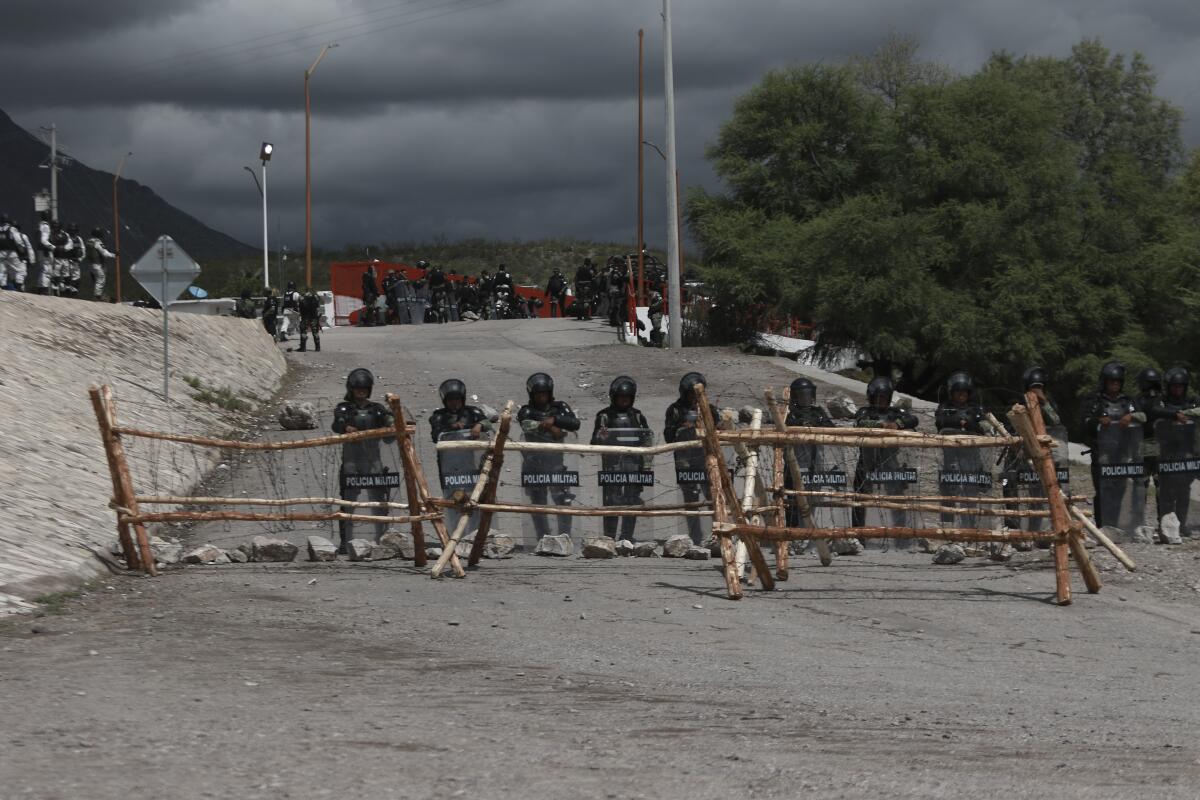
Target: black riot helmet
{"x": 1034, "y": 376}
{"x": 623, "y": 386}
{"x": 1149, "y": 378}
{"x": 291, "y": 286}
{"x": 1112, "y": 371}
{"x": 452, "y": 388}
{"x": 539, "y": 382}
{"x": 1177, "y": 376}
{"x": 360, "y": 378}
{"x": 960, "y": 382}
{"x": 688, "y": 383}
{"x": 44, "y": 216}
{"x": 882, "y": 389}
{"x": 422, "y": 264}
{"x": 803, "y": 393}
{"x": 98, "y": 232}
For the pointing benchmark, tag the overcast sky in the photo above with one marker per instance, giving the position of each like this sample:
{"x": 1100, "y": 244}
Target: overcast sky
{"x": 498, "y": 118}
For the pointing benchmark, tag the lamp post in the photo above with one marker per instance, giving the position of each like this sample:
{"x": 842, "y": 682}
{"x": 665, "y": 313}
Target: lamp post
{"x": 117, "y": 225}
{"x": 674, "y": 299}
{"x": 265, "y": 155}
{"x": 308, "y": 166}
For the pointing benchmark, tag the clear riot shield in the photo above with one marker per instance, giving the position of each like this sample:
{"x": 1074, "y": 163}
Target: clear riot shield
{"x": 418, "y": 300}
{"x": 963, "y": 474}
{"x": 623, "y": 478}
{"x": 1121, "y": 487}
{"x": 822, "y": 469}
{"x": 548, "y": 478}
{"x": 1178, "y": 467}
{"x": 1029, "y": 481}
{"x": 885, "y": 471}
{"x": 691, "y": 476}
{"x": 458, "y": 471}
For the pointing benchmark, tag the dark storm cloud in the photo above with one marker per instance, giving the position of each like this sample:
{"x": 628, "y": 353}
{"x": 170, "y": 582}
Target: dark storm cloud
{"x": 37, "y": 22}
{"x": 463, "y": 117}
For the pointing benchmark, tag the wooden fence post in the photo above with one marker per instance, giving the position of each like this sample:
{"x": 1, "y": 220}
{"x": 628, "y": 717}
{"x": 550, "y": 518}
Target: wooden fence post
{"x": 407, "y": 461}
{"x": 802, "y": 506}
{"x": 489, "y": 491}
{"x": 128, "y": 498}
{"x": 132, "y": 560}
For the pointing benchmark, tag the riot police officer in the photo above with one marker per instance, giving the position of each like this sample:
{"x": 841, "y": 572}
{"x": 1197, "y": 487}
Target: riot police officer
{"x": 1013, "y": 459}
{"x": 96, "y": 254}
{"x": 1149, "y": 398}
{"x": 622, "y": 424}
{"x": 878, "y": 413}
{"x": 457, "y": 420}
{"x": 585, "y": 280}
{"x": 370, "y": 293}
{"x": 556, "y": 291}
{"x": 270, "y": 313}
{"x": 361, "y": 459}
{"x": 310, "y": 319}
{"x": 655, "y": 311}
{"x": 1107, "y": 406}
{"x": 544, "y": 419}
{"x": 681, "y": 419}
{"x": 617, "y": 287}
{"x": 961, "y": 412}
{"x": 1176, "y": 416}
{"x": 803, "y": 412}
{"x": 291, "y": 311}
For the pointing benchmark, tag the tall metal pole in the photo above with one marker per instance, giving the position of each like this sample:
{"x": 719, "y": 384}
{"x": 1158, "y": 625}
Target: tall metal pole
{"x": 166, "y": 301}
{"x": 308, "y": 167}
{"x": 266, "y": 252}
{"x": 117, "y": 225}
{"x": 641, "y": 238}
{"x": 54, "y": 172}
{"x": 675, "y": 300}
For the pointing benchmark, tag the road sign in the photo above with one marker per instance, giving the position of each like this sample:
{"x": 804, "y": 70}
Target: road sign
{"x": 165, "y": 270}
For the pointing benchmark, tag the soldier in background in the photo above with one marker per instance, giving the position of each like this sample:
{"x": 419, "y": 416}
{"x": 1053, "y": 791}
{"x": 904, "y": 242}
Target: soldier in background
{"x": 44, "y": 283}
{"x": 62, "y": 245}
{"x": 244, "y": 307}
{"x": 96, "y": 254}
{"x": 12, "y": 253}
{"x": 310, "y": 319}
{"x": 270, "y": 312}
{"x": 74, "y": 266}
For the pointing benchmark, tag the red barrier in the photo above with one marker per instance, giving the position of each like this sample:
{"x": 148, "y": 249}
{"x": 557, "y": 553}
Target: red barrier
{"x": 345, "y": 279}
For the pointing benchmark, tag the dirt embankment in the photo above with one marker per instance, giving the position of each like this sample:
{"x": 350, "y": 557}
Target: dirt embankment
{"x": 54, "y": 482}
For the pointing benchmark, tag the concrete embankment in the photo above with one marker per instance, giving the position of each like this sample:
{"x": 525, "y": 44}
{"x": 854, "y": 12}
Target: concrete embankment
{"x": 54, "y": 482}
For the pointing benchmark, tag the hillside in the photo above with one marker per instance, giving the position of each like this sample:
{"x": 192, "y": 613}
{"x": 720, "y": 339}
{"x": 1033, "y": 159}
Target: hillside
{"x": 85, "y": 197}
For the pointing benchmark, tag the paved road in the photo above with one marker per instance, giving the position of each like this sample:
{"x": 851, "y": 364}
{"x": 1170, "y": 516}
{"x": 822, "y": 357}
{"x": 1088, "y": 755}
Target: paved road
{"x": 881, "y": 676}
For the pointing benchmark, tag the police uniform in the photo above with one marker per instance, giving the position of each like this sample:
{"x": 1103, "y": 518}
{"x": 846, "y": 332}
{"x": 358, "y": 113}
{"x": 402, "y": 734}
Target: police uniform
{"x": 614, "y": 418}
{"x": 362, "y": 458}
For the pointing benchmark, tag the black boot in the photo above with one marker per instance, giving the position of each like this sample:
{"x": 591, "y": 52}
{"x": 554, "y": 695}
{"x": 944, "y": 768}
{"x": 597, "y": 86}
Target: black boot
{"x": 317, "y": 345}
{"x": 303, "y": 346}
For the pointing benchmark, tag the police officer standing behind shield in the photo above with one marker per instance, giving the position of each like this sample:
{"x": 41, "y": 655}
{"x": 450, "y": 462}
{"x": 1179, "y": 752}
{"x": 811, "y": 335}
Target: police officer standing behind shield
{"x": 1176, "y": 417}
{"x": 878, "y": 413}
{"x": 803, "y": 412}
{"x": 359, "y": 413}
{"x": 622, "y": 424}
{"x": 544, "y": 419}
{"x": 681, "y": 420}
{"x": 1108, "y": 406}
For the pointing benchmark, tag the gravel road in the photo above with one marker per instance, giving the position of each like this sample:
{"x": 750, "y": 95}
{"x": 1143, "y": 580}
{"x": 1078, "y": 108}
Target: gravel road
{"x": 880, "y": 676}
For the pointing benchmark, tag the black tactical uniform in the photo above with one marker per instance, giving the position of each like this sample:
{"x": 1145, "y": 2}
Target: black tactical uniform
{"x": 310, "y": 320}
{"x": 270, "y": 313}
{"x": 623, "y": 425}
{"x": 1100, "y": 406}
{"x": 456, "y": 420}
{"x": 1177, "y": 407}
{"x": 803, "y": 412}
{"x": 556, "y": 290}
{"x": 562, "y": 420}
{"x": 1149, "y": 398}
{"x": 877, "y": 414}
{"x": 585, "y": 280}
{"x": 363, "y": 457}
{"x": 682, "y": 417}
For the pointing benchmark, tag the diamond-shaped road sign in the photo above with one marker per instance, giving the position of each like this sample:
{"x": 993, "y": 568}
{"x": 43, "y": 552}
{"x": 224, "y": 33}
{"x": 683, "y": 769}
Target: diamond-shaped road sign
{"x": 165, "y": 259}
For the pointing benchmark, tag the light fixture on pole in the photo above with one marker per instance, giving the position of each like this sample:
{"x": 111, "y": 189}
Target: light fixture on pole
{"x": 308, "y": 166}
{"x": 117, "y": 226}
{"x": 264, "y": 155}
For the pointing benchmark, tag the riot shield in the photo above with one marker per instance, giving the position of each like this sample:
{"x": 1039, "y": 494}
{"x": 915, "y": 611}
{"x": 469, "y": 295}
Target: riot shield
{"x": 885, "y": 471}
{"x": 623, "y": 478}
{"x": 548, "y": 478}
{"x": 822, "y": 469}
{"x": 1178, "y": 467}
{"x": 458, "y": 471}
{"x": 418, "y": 301}
{"x": 691, "y": 476}
{"x": 1121, "y": 487}
{"x": 963, "y": 474}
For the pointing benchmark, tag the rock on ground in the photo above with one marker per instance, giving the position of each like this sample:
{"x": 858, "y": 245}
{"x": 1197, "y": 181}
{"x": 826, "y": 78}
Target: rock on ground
{"x": 500, "y": 546}
{"x": 560, "y": 545}
{"x": 165, "y": 553}
{"x": 383, "y": 552}
{"x": 298, "y": 417}
{"x": 359, "y": 549}
{"x": 402, "y": 541}
{"x": 841, "y": 407}
{"x": 646, "y": 549}
{"x": 55, "y": 349}
{"x": 264, "y": 548}
{"x": 846, "y": 547}
{"x": 1142, "y": 534}
{"x": 236, "y": 556}
{"x": 625, "y": 547}
{"x": 949, "y": 554}
{"x": 698, "y": 554}
{"x": 204, "y": 554}
{"x": 599, "y": 547}
{"x": 321, "y": 549}
{"x": 1170, "y": 529}
{"x": 677, "y": 546}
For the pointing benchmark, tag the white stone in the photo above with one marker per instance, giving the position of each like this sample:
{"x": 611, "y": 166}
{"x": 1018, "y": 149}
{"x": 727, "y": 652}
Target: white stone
{"x": 625, "y": 547}
{"x": 646, "y": 549}
{"x": 599, "y": 547}
{"x": 265, "y": 548}
{"x": 846, "y": 547}
{"x": 204, "y": 554}
{"x": 841, "y": 407}
{"x": 298, "y": 417}
{"x": 949, "y": 554}
{"x": 560, "y": 545}
{"x": 1169, "y": 525}
{"x": 383, "y": 552}
{"x": 359, "y": 549}
{"x": 236, "y": 556}
{"x": 677, "y": 546}
{"x": 402, "y": 541}
{"x": 321, "y": 549}
{"x": 698, "y": 554}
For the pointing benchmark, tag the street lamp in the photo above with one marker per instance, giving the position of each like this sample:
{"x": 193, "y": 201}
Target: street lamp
{"x": 308, "y": 166}
{"x": 265, "y": 155}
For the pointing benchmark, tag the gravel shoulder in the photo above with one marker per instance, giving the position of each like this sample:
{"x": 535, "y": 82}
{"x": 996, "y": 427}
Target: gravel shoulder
{"x": 882, "y": 675}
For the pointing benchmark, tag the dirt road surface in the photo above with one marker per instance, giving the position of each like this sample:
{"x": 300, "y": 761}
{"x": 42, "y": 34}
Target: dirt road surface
{"x": 880, "y": 676}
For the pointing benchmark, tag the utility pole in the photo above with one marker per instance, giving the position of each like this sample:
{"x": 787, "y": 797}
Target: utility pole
{"x": 53, "y": 166}
{"x": 675, "y": 300}
{"x": 641, "y": 237}
{"x": 308, "y": 166}
{"x": 117, "y": 225}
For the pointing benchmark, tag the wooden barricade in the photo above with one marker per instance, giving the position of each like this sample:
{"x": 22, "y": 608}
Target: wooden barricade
{"x": 131, "y": 516}
{"x": 729, "y": 512}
